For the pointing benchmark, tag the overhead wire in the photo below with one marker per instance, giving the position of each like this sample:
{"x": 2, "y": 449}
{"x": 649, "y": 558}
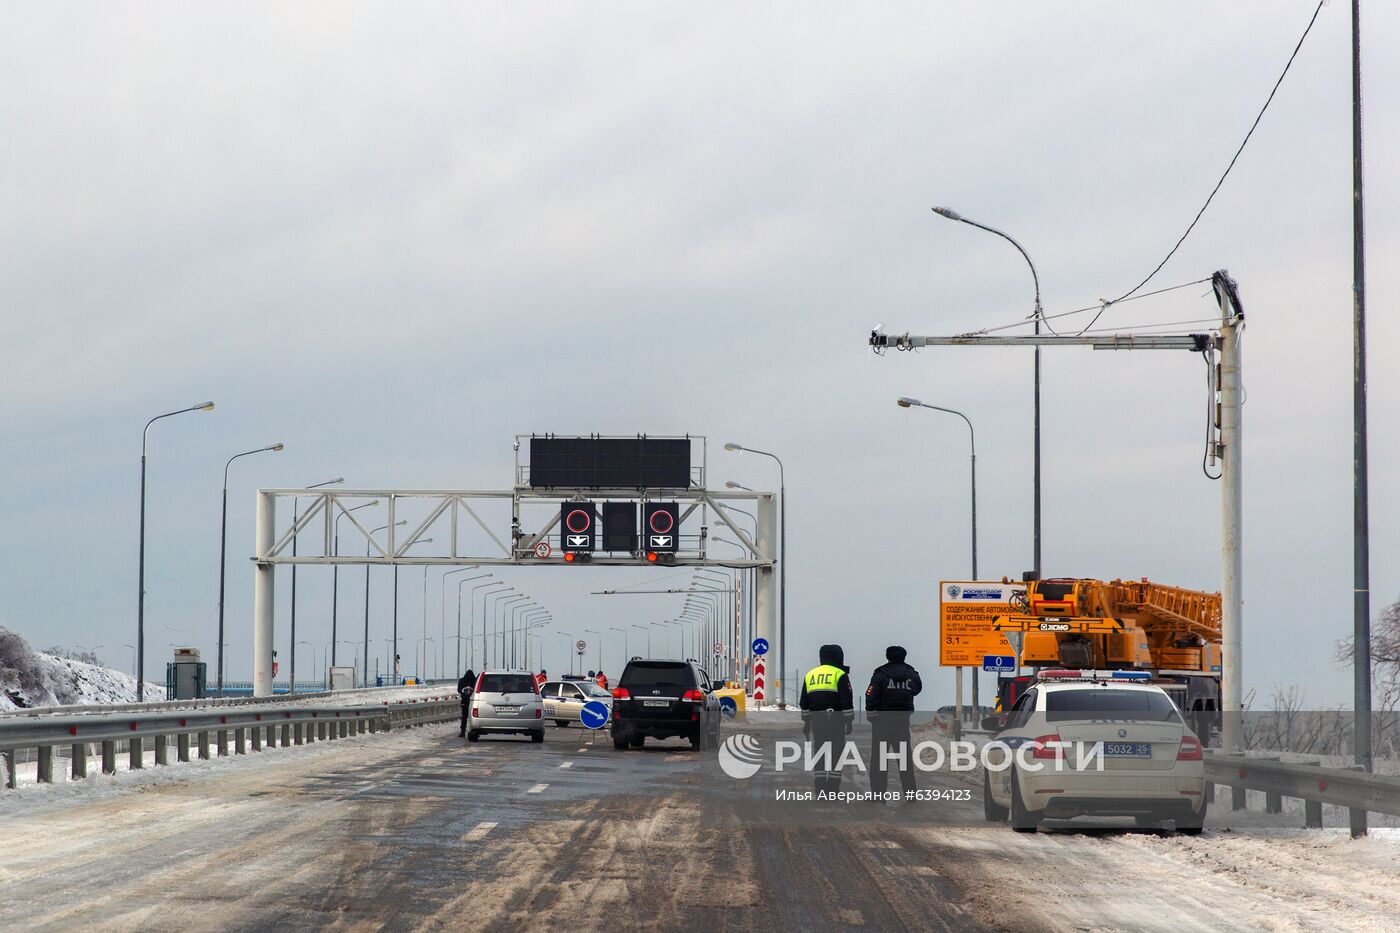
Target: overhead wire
{"x": 1233, "y": 160}
{"x": 1048, "y": 317}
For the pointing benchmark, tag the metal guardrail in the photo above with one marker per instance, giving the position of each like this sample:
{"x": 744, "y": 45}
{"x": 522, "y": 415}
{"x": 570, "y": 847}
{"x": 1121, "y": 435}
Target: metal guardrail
{"x": 1359, "y": 791}
{"x": 284, "y": 725}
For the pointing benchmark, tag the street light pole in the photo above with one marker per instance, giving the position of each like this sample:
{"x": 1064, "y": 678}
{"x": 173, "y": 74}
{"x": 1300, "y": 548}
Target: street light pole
{"x": 1038, "y": 315}
{"x": 223, "y": 547}
{"x": 368, "y": 542}
{"x": 296, "y": 516}
{"x": 626, "y": 651}
{"x": 782, "y": 551}
{"x": 648, "y": 631}
{"x": 471, "y": 617}
{"x": 335, "y": 575}
{"x": 141, "y": 553}
{"x": 907, "y": 402}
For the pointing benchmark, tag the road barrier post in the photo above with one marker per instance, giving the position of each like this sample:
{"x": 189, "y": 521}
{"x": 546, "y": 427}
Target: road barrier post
{"x": 79, "y": 768}
{"x": 109, "y": 757}
{"x": 162, "y": 751}
{"x": 136, "y": 753}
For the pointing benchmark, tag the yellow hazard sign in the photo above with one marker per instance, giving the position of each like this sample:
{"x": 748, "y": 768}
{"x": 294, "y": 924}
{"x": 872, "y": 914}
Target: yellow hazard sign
{"x": 966, "y": 609}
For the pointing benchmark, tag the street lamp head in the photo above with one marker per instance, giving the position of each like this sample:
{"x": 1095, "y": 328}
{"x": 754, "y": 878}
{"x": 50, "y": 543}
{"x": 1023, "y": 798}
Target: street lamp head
{"x": 730, "y": 484}
{"x": 276, "y": 446}
{"x": 203, "y": 406}
{"x": 733, "y": 447}
{"x": 907, "y": 402}
{"x": 947, "y": 212}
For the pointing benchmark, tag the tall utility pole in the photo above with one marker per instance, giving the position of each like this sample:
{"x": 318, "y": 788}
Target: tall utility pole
{"x": 1228, "y": 445}
{"x": 1361, "y": 534}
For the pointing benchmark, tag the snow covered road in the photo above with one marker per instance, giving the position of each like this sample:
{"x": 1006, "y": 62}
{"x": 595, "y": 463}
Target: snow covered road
{"x": 418, "y": 830}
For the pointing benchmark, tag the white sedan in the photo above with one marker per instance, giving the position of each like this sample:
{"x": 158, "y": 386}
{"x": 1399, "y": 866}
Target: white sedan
{"x": 564, "y": 699}
{"x": 1074, "y": 746}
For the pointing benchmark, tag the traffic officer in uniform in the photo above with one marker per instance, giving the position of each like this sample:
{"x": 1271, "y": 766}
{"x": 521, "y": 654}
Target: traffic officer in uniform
{"x": 465, "y": 686}
{"x": 889, "y": 702}
{"x": 828, "y": 713}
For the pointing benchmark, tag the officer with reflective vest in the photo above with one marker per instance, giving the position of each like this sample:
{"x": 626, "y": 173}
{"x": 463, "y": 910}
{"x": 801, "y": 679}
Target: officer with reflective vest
{"x": 889, "y": 702}
{"x": 828, "y": 713}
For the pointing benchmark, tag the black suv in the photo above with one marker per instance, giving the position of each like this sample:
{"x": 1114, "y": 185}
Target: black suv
{"x": 664, "y": 698}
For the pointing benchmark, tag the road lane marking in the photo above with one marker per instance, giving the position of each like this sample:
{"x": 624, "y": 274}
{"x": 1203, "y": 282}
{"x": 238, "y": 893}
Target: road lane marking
{"x": 479, "y": 830}
{"x": 537, "y": 788}
{"x": 584, "y": 749}
{"x": 566, "y": 764}
{"x": 881, "y": 844}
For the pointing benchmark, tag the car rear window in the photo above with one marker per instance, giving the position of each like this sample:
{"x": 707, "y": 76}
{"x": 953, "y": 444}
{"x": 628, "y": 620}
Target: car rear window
{"x": 507, "y": 683}
{"x": 1096, "y": 703}
{"x": 658, "y": 675}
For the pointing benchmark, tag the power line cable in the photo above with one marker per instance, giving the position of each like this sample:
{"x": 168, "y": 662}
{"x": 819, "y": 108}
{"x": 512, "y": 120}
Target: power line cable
{"x": 1247, "y": 136}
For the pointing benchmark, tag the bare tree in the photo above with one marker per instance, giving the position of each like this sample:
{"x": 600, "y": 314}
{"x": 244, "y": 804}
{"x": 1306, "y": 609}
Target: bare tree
{"x": 1385, "y": 677}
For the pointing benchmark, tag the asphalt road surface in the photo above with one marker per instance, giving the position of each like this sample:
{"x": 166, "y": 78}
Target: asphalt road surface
{"x": 421, "y": 830}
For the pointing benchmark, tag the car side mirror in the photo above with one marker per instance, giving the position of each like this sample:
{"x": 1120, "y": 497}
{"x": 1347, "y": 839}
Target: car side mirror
{"x": 992, "y": 723}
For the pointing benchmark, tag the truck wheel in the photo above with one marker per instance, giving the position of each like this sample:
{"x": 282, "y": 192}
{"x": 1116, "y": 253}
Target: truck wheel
{"x": 1022, "y": 820}
{"x": 994, "y": 812}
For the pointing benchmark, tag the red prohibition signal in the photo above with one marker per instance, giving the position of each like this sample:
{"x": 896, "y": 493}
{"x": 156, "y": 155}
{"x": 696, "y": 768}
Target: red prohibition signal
{"x": 578, "y": 521}
{"x": 661, "y": 521}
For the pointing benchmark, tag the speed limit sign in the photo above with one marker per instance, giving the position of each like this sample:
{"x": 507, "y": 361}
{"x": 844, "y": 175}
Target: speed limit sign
{"x": 542, "y": 550}
{"x": 719, "y": 649}
{"x": 581, "y": 646}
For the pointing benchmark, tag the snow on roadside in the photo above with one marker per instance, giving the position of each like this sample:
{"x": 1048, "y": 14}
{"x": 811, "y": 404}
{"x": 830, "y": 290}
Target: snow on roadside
{"x": 30, "y": 678}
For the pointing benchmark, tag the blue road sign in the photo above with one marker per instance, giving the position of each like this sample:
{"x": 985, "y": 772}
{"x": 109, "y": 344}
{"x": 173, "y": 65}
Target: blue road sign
{"x": 998, "y": 662}
{"x": 594, "y": 714}
{"x": 728, "y": 707}
{"x": 760, "y": 646}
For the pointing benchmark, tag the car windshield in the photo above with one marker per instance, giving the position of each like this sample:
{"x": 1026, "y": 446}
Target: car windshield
{"x": 594, "y": 690}
{"x": 1099, "y": 703}
{"x": 666, "y": 676}
{"x": 507, "y": 683}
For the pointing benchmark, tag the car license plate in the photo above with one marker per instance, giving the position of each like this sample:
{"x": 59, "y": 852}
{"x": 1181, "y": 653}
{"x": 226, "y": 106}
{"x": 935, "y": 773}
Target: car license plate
{"x": 507, "y": 709}
{"x": 656, "y": 702}
{"x": 1127, "y": 749}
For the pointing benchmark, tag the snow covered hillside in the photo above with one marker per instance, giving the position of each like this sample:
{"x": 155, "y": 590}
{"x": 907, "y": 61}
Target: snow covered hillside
{"x": 32, "y": 678}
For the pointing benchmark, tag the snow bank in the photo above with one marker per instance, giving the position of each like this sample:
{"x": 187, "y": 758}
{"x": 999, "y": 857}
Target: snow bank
{"x": 31, "y": 678}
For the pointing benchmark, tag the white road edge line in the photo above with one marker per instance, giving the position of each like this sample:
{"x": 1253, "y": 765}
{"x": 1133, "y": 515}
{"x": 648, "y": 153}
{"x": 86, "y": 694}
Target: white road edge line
{"x": 479, "y": 830}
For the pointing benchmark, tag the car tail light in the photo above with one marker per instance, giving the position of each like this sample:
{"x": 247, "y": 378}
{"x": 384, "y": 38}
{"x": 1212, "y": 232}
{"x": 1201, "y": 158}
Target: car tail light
{"x": 1190, "y": 749}
{"x": 476, "y": 712}
{"x": 621, "y": 693}
{"x": 1045, "y": 750}
{"x": 539, "y": 713}
{"x": 694, "y": 696}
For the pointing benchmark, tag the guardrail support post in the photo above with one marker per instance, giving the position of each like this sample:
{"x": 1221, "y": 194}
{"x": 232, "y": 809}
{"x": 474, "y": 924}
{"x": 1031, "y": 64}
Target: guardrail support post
{"x": 9, "y": 760}
{"x": 240, "y": 741}
{"x": 374, "y": 725}
{"x": 45, "y": 767}
{"x": 1237, "y": 798}
{"x": 1273, "y": 803}
{"x": 1312, "y": 814}
{"x": 1356, "y": 815}
{"x": 182, "y": 746}
{"x": 298, "y": 730}
{"x": 79, "y": 769}
{"x": 136, "y": 753}
{"x": 109, "y": 756}
{"x": 286, "y": 734}
{"x": 271, "y": 736}
{"x": 257, "y": 737}
{"x": 1210, "y": 793}
{"x": 221, "y": 742}
{"x": 162, "y": 751}
{"x": 204, "y": 745}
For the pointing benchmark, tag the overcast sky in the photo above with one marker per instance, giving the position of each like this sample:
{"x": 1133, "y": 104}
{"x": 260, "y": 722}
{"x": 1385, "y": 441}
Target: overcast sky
{"x": 394, "y": 236}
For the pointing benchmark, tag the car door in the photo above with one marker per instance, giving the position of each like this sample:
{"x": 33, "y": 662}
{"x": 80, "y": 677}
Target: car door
{"x": 549, "y": 696}
{"x": 570, "y": 702}
{"x": 1012, "y": 735}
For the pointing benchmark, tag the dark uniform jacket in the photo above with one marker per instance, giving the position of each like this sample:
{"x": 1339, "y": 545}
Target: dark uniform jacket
{"x": 893, "y": 687}
{"x": 465, "y": 686}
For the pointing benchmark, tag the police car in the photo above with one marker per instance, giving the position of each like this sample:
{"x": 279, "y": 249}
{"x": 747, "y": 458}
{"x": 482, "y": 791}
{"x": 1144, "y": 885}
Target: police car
{"x": 1104, "y": 743}
{"x": 564, "y": 699}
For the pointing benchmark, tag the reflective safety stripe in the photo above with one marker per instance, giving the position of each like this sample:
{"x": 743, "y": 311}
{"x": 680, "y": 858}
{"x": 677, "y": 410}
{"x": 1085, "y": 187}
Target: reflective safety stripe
{"x": 823, "y": 677}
